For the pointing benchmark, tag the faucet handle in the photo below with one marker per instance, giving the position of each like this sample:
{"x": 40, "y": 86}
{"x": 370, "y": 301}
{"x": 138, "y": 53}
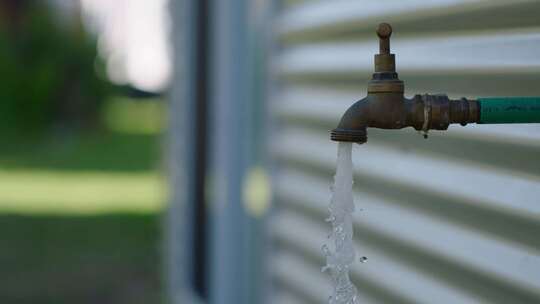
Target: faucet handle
{"x": 385, "y": 79}
{"x": 384, "y": 31}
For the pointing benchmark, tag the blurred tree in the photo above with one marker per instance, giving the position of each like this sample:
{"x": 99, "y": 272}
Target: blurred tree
{"x": 48, "y": 71}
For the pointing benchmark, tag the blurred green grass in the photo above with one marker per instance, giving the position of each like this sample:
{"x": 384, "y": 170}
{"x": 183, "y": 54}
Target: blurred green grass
{"x": 79, "y": 215}
{"x": 103, "y": 151}
{"x": 107, "y": 258}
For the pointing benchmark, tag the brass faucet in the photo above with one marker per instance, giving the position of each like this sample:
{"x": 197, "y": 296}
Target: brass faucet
{"x": 385, "y": 106}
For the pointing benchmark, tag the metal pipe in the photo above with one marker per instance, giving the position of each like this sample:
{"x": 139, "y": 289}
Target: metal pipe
{"x": 386, "y": 107}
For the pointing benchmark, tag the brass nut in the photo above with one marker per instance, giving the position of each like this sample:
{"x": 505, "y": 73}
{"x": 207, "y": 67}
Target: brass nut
{"x": 386, "y": 87}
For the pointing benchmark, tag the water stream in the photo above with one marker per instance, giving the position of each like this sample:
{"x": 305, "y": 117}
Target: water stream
{"x": 339, "y": 248}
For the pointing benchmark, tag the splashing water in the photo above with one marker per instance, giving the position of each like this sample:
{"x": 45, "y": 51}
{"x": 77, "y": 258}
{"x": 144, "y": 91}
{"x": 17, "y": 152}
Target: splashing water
{"x": 339, "y": 249}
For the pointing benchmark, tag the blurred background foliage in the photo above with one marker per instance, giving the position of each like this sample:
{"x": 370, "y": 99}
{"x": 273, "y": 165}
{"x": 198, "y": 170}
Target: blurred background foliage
{"x": 50, "y": 73}
{"x": 80, "y": 189}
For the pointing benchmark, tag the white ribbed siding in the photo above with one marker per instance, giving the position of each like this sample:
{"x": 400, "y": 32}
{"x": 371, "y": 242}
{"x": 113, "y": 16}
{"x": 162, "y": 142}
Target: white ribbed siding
{"x": 451, "y": 219}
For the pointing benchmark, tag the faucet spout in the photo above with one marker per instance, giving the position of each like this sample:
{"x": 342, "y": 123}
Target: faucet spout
{"x": 353, "y": 124}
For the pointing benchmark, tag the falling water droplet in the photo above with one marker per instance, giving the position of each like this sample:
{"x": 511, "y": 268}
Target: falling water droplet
{"x": 363, "y": 259}
{"x": 326, "y": 250}
{"x": 330, "y": 218}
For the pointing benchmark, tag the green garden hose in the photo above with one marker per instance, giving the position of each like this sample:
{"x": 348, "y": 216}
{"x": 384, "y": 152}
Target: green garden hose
{"x": 501, "y": 110}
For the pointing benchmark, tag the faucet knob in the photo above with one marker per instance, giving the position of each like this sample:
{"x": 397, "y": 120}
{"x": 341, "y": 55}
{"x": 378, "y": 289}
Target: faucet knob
{"x": 384, "y": 31}
{"x": 385, "y": 79}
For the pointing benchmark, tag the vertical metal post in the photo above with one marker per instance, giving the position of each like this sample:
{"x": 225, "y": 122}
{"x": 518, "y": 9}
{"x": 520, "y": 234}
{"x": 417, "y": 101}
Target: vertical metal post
{"x": 228, "y": 161}
{"x": 202, "y": 94}
{"x": 215, "y": 247}
{"x": 238, "y": 146}
{"x": 227, "y": 251}
{"x": 255, "y": 134}
{"x": 181, "y": 141}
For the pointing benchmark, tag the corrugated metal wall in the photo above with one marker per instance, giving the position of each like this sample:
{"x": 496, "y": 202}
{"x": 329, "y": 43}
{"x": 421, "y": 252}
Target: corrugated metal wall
{"x": 451, "y": 219}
